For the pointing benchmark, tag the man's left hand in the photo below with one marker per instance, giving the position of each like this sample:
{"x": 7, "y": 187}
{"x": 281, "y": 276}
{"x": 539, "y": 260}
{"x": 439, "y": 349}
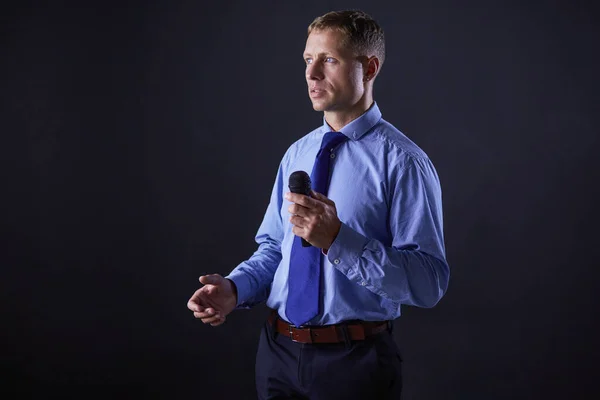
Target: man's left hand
{"x": 314, "y": 218}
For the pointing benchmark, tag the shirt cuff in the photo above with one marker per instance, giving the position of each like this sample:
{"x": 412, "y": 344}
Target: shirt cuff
{"x": 346, "y": 249}
{"x": 243, "y": 286}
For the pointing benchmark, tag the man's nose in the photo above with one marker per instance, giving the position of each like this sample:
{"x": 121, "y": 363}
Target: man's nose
{"x": 314, "y": 72}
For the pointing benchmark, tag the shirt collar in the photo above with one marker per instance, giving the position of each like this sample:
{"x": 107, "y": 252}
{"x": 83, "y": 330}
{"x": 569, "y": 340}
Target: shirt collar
{"x": 361, "y": 125}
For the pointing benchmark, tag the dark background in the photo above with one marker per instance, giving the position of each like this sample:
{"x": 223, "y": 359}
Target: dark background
{"x": 139, "y": 143}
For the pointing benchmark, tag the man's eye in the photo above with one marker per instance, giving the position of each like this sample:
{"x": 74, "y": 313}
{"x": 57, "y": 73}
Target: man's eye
{"x": 330, "y": 59}
{"x": 308, "y": 60}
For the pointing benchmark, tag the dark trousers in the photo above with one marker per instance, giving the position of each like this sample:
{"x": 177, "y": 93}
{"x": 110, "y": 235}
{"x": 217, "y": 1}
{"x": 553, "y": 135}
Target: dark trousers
{"x": 369, "y": 369}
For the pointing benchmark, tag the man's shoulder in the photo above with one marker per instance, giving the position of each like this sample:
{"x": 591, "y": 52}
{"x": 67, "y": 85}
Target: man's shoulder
{"x": 309, "y": 137}
{"x": 396, "y": 141}
{"x": 303, "y": 143}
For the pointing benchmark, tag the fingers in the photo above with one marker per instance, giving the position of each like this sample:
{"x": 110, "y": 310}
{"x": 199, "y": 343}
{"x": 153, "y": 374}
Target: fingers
{"x": 201, "y": 299}
{"x": 304, "y": 233}
{"x": 313, "y": 201}
{"x": 322, "y": 198}
{"x": 212, "y": 279}
{"x": 214, "y": 319}
{"x": 299, "y": 221}
{"x": 198, "y": 302}
{"x": 299, "y": 232}
{"x": 301, "y": 199}
{"x": 201, "y": 303}
{"x": 207, "y": 313}
{"x": 194, "y": 306}
{"x": 296, "y": 209}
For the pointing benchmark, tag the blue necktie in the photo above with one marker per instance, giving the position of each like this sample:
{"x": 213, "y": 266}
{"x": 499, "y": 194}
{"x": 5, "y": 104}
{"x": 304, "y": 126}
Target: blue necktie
{"x": 305, "y": 262}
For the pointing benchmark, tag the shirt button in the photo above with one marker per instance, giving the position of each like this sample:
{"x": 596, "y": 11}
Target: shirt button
{"x": 363, "y": 283}
{"x": 336, "y": 261}
{"x": 332, "y": 155}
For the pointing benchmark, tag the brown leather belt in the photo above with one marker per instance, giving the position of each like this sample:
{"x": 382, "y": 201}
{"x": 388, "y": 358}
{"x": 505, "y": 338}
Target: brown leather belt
{"x": 327, "y": 333}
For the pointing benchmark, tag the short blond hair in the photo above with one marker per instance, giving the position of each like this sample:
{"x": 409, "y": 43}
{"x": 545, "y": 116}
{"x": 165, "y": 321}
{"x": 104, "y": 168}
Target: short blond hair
{"x": 363, "y": 34}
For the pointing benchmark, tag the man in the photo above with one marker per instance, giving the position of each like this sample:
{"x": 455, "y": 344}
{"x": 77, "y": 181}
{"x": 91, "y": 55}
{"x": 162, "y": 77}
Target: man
{"x": 374, "y": 236}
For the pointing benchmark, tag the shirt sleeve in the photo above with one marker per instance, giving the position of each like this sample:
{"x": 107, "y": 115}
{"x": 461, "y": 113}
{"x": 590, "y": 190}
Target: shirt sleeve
{"x": 253, "y": 277}
{"x": 413, "y": 270}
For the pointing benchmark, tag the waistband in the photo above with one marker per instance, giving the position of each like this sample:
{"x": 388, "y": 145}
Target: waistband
{"x": 337, "y": 333}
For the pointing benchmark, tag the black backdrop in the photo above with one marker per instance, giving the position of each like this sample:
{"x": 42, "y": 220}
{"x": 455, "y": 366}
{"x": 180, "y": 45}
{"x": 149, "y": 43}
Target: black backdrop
{"x": 139, "y": 143}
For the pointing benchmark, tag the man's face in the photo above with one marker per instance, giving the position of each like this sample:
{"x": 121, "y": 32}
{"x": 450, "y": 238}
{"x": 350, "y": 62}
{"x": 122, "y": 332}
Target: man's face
{"x": 333, "y": 72}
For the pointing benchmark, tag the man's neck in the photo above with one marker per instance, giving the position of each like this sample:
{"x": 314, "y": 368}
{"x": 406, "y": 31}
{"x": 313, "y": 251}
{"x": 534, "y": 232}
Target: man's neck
{"x": 337, "y": 120}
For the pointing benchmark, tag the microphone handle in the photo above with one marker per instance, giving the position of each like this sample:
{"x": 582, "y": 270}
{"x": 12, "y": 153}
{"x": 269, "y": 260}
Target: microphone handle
{"x": 306, "y": 192}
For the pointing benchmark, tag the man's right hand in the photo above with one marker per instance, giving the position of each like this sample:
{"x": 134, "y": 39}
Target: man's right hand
{"x": 213, "y": 301}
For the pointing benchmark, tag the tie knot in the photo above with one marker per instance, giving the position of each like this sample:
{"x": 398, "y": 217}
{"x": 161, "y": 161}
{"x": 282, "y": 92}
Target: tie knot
{"x": 332, "y": 139}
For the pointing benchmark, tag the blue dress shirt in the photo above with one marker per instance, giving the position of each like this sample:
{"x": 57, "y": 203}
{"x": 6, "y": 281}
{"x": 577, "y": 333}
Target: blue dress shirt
{"x": 390, "y": 248}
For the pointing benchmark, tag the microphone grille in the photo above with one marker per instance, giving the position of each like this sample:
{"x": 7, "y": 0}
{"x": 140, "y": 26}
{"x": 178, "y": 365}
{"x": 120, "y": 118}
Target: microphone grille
{"x": 299, "y": 182}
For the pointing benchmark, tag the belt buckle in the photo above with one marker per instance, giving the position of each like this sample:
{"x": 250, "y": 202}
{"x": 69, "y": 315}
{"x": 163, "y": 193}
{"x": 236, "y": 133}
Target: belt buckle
{"x": 291, "y": 332}
{"x": 310, "y": 334}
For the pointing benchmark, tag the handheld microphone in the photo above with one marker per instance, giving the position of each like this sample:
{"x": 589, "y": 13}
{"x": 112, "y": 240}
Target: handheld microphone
{"x": 299, "y": 182}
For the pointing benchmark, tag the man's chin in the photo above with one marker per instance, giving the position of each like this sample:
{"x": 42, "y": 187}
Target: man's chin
{"x": 318, "y": 106}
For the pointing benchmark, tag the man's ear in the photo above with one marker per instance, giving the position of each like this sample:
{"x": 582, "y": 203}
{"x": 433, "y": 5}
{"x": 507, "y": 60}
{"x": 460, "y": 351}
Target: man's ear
{"x": 371, "y": 68}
